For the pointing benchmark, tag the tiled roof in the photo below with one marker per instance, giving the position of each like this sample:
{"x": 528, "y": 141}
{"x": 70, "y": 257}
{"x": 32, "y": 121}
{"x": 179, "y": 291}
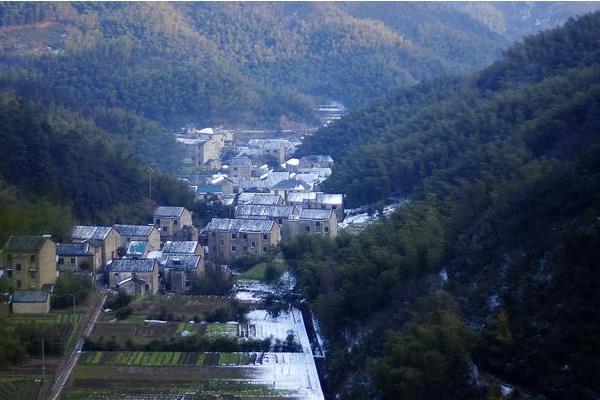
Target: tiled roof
{"x": 240, "y": 162}
{"x": 182, "y": 247}
{"x": 131, "y": 265}
{"x": 259, "y": 198}
{"x": 298, "y": 197}
{"x": 290, "y": 184}
{"x": 250, "y": 210}
{"x": 317, "y": 159}
{"x": 331, "y": 199}
{"x": 307, "y": 213}
{"x": 134, "y": 230}
{"x": 180, "y": 261}
{"x": 172, "y": 212}
{"x": 74, "y": 249}
{"x": 25, "y": 243}
{"x": 89, "y": 232}
{"x": 239, "y": 225}
{"x": 30, "y": 296}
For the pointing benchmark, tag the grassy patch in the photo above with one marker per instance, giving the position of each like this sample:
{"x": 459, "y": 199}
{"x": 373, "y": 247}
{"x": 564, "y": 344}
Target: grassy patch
{"x": 222, "y": 329}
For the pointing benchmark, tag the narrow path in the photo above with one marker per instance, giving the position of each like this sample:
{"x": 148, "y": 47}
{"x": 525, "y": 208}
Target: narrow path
{"x": 64, "y": 372}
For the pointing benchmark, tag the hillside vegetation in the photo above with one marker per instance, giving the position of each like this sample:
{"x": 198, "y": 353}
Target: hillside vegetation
{"x": 488, "y": 273}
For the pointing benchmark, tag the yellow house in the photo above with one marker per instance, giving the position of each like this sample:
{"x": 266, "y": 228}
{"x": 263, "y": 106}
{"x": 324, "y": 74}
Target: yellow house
{"x": 104, "y": 241}
{"x": 134, "y": 276}
{"x": 29, "y": 262}
{"x": 172, "y": 220}
{"x": 141, "y": 233}
{"x": 229, "y": 239}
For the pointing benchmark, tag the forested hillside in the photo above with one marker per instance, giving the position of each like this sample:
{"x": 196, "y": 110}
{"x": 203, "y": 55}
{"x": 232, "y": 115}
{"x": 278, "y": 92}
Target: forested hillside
{"x": 140, "y": 70}
{"x": 56, "y": 169}
{"x": 487, "y": 275}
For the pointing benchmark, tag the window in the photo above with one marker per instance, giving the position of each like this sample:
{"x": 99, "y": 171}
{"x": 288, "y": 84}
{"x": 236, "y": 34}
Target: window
{"x": 158, "y": 222}
{"x": 308, "y": 229}
{"x": 280, "y": 221}
{"x": 164, "y": 228}
{"x": 318, "y": 223}
{"x": 32, "y": 258}
{"x": 176, "y": 222}
{"x": 18, "y": 267}
{"x": 213, "y": 234}
{"x": 326, "y": 229}
{"x": 72, "y": 260}
{"x": 221, "y": 242}
{"x": 265, "y": 249}
{"x": 9, "y": 273}
{"x": 253, "y": 245}
{"x": 32, "y": 274}
{"x": 188, "y": 284}
{"x": 265, "y": 237}
{"x": 61, "y": 261}
{"x": 234, "y": 236}
{"x": 235, "y": 168}
{"x": 334, "y": 207}
{"x": 245, "y": 236}
{"x": 9, "y": 257}
{"x": 233, "y": 249}
{"x": 19, "y": 283}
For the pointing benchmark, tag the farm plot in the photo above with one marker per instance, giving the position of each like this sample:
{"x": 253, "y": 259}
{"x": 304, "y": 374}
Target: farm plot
{"x": 225, "y": 374}
{"x": 19, "y": 387}
{"x": 165, "y": 359}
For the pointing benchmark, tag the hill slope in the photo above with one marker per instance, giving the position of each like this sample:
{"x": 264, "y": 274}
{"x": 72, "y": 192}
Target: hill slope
{"x": 492, "y": 264}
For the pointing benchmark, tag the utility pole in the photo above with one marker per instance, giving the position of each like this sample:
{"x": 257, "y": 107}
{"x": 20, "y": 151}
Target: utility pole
{"x": 149, "y": 171}
{"x": 43, "y": 362}
{"x": 73, "y": 295}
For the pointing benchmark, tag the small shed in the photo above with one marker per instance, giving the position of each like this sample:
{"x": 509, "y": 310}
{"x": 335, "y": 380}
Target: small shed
{"x": 31, "y": 302}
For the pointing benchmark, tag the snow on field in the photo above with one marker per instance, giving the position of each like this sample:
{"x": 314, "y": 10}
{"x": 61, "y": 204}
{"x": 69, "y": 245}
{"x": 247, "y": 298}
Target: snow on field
{"x": 289, "y": 371}
{"x": 358, "y": 218}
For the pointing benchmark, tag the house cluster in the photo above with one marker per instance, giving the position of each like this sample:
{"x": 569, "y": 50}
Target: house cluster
{"x": 139, "y": 259}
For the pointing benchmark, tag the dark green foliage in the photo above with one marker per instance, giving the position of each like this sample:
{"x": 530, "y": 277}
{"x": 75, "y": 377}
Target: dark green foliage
{"x": 121, "y": 299}
{"x": 502, "y": 180}
{"x": 69, "y": 284}
{"x": 65, "y": 164}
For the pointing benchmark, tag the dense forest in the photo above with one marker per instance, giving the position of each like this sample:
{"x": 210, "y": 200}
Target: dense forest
{"x": 56, "y": 169}
{"x": 487, "y": 274}
{"x": 141, "y": 70}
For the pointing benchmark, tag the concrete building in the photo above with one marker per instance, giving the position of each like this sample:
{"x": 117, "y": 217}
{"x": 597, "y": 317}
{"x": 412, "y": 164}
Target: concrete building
{"x": 142, "y": 233}
{"x": 180, "y": 272}
{"x": 315, "y": 161}
{"x": 266, "y": 199}
{"x": 310, "y": 222}
{"x": 104, "y": 241}
{"x": 240, "y": 167}
{"x": 274, "y": 213}
{"x": 29, "y": 262}
{"x": 229, "y": 239}
{"x": 175, "y": 223}
{"x": 134, "y": 276}
{"x": 76, "y": 257}
{"x": 183, "y": 248}
{"x": 31, "y": 302}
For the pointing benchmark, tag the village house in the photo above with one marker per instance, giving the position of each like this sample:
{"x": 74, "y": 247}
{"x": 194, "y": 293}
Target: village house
{"x": 201, "y": 151}
{"x": 326, "y": 201}
{"x": 287, "y": 186}
{"x": 180, "y": 272}
{"x": 141, "y": 233}
{"x": 77, "y": 257}
{"x": 183, "y": 248}
{"x": 175, "y": 223}
{"x": 275, "y": 149}
{"x": 310, "y": 222}
{"x": 29, "y": 262}
{"x": 229, "y": 239}
{"x": 240, "y": 167}
{"x": 104, "y": 241}
{"x": 274, "y": 213}
{"x": 30, "y": 302}
{"x": 134, "y": 276}
{"x": 315, "y": 161}
{"x": 266, "y": 199}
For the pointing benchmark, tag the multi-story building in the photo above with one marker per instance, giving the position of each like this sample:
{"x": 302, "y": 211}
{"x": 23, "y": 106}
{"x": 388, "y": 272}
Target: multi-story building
{"x": 180, "y": 272}
{"x": 310, "y": 222}
{"x": 174, "y": 223}
{"x": 104, "y": 241}
{"x": 76, "y": 257}
{"x": 229, "y": 239}
{"x": 274, "y": 213}
{"x": 134, "y": 276}
{"x": 141, "y": 233}
{"x": 240, "y": 167}
{"x": 29, "y": 262}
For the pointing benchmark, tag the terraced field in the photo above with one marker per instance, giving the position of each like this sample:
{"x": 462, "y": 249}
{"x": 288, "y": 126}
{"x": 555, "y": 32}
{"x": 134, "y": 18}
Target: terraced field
{"x": 19, "y": 387}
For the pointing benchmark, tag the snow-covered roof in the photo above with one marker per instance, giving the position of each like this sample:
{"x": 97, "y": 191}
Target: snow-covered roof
{"x": 181, "y": 247}
{"x": 179, "y": 261}
{"x": 134, "y": 230}
{"x": 307, "y": 213}
{"x": 251, "y": 210}
{"x": 131, "y": 265}
{"x": 89, "y": 232}
{"x": 207, "y": 131}
{"x": 74, "y": 249}
{"x": 239, "y": 225}
{"x": 169, "y": 212}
